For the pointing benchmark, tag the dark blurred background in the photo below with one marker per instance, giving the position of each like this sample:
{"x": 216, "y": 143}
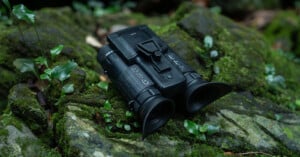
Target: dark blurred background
{"x": 165, "y": 6}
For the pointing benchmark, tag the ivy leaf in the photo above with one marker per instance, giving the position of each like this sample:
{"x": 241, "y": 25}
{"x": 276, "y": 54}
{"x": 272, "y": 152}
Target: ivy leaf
{"x": 107, "y": 105}
{"x": 103, "y": 85}
{"x": 7, "y": 4}
{"x": 62, "y": 72}
{"x": 24, "y": 65}
{"x": 127, "y": 127}
{"x": 23, "y": 13}
{"x": 56, "y": 51}
{"x": 41, "y": 61}
{"x": 212, "y": 129}
{"x": 191, "y": 127}
{"x": 68, "y": 88}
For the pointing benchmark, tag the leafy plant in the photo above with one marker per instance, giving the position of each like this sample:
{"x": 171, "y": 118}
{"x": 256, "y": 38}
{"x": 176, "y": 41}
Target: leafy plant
{"x": 107, "y": 105}
{"x": 21, "y": 12}
{"x": 200, "y": 131}
{"x": 25, "y": 65}
{"x": 56, "y": 51}
{"x": 275, "y": 81}
{"x": 103, "y": 85}
{"x": 59, "y": 72}
{"x": 295, "y": 105}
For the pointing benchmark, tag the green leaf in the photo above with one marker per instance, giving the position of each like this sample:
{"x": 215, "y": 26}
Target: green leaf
{"x": 41, "y": 61}
{"x": 203, "y": 128}
{"x": 107, "y": 105}
{"x": 45, "y": 77}
{"x": 56, "y": 51}
{"x": 208, "y": 42}
{"x": 62, "y": 72}
{"x": 212, "y": 129}
{"x": 68, "y": 88}
{"x": 24, "y": 65}
{"x": 119, "y": 124}
{"x": 7, "y": 4}
{"x": 191, "y": 127}
{"x": 106, "y": 115}
{"x": 129, "y": 114}
{"x": 136, "y": 124}
{"x": 298, "y": 102}
{"x": 103, "y": 85}
{"x": 201, "y": 137}
{"x": 107, "y": 120}
{"x": 23, "y": 13}
{"x": 127, "y": 127}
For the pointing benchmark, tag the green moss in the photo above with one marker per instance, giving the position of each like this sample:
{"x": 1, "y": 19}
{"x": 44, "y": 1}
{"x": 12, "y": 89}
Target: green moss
{"x": 203, "y": 150}
{"x": 3, "y": 132}
{"x": 23, "y": 104}
{"x": 284, "y": 31}
{"x": 8, "y": 119}
{"x": 91, "y": 76}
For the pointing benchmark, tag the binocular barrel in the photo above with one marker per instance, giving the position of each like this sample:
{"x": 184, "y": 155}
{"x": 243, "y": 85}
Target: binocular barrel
{"x": 151, "y": 75}
{"x": 144, "y": 99}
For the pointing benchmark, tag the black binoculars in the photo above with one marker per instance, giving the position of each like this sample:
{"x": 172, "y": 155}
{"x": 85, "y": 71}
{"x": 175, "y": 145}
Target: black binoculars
{"x": 152, "y": 77}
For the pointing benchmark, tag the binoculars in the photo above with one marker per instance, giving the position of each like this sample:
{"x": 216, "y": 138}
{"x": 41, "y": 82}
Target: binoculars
{"x": 152, "y": 77}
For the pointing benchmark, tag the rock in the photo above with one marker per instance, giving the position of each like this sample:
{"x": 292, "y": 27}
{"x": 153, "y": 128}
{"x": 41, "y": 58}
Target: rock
{"x": 243, "y": 52}
{"x": 234, "y": 9}
{"x": 250, "y": 123}
{"x": 78, "y": 133}
{"x": 23, "y": 103}
{"x": 18, "y": 140}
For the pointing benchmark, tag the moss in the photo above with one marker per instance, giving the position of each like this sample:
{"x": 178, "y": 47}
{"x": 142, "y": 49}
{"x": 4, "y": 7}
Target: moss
{"x": 203, "y": 150}
{"x": 3, "y": 132}
{"x": 283, "y": 31}
{"x": 183, "y": 10}
{"x": 92, "y": 77}
{"x": 8, "y": 119}
{"x": 23, "y": 104}
{"x": 32, "y": 147}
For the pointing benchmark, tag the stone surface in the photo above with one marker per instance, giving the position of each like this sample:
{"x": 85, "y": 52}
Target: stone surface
{"x": 17, "y": 140}
{"x": 23, "y": 103}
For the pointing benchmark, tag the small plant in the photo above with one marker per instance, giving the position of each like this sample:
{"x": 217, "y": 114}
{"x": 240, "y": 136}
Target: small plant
{"x": 21, "y": 13}
{"x": 59, "y": 72}
{"x": 275, "y": 81}
{"x": 103, "y": 85}
{"x": 295, "y": 105}
{"x": 200, "y": 131}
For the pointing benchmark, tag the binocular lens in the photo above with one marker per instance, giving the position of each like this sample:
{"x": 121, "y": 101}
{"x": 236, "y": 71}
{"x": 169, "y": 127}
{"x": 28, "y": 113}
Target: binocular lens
{"x": 156, "y": 113}
{"x": 199, "y": 95}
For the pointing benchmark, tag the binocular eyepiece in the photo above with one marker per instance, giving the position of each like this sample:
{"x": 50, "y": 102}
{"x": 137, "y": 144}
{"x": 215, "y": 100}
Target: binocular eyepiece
{"x": 151, "y": 76}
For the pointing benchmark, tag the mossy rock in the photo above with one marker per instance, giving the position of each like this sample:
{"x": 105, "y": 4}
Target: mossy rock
{"x": 23, "y": 103}
{"x": 18, "y": 140}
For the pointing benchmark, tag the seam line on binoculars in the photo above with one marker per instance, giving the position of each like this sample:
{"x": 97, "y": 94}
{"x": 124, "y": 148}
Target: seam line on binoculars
{"x": 109, "y": 53}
